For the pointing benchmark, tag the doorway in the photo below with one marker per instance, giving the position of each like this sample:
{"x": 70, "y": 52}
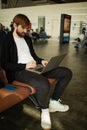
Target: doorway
{"x": 41, "y": 22}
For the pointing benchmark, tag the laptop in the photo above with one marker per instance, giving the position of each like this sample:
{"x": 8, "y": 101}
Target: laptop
{"x": 52, "y": 64}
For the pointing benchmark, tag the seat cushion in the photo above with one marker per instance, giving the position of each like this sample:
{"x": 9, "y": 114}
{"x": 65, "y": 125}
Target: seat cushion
{"x": 10, "y": 95}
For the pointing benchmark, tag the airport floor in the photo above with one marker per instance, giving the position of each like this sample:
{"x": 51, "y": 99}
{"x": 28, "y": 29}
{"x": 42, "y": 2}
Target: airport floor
{"x": 75, "y": 95}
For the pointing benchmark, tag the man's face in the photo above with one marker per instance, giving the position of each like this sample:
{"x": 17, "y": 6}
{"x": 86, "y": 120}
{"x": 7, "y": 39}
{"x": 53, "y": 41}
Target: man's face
{"x": 21, "y": 31}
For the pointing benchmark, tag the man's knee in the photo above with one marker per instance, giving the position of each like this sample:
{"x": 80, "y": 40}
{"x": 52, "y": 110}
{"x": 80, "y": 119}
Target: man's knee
{"x": 69, "y": 73}
{"x": 45, "y": 86}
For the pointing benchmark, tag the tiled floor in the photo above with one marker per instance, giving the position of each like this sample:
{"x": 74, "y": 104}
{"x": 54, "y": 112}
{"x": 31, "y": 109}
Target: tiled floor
{"x": 75, "y": 95}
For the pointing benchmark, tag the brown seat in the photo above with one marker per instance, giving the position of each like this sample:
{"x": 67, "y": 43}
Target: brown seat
{"x": 11, "y": 94}
{"x": 51, "y": 80}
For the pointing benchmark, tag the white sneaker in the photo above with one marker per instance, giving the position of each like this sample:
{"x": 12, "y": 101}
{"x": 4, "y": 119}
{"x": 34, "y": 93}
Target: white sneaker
{"x": 57, "y": 106}
{"x": 45, "y": 119}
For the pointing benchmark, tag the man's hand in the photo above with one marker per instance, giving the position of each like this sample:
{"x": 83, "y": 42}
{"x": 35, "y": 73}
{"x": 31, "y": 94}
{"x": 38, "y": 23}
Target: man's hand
{"x": 44, "y": 62}
{"x": 31, "y": 64}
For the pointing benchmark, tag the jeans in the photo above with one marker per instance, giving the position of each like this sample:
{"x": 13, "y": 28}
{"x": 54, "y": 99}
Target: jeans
{"x": 41, "y": 84}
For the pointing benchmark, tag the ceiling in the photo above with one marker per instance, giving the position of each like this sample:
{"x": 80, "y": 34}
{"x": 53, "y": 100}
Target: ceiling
{"x": 23, "y": 3}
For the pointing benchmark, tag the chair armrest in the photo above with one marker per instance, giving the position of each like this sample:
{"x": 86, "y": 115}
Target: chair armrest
{"x": 51, "y": 80}
{"x": 20, "y": 84}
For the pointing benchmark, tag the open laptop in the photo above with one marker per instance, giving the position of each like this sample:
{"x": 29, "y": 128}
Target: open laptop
{"x": 52, "y": 64}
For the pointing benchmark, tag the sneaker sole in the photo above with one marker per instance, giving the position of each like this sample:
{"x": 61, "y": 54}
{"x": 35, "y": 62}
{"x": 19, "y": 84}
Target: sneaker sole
{"x": 51, "y": 110}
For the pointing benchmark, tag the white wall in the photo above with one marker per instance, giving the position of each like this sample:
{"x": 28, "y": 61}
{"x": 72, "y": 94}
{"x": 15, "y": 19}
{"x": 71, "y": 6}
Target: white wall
{"x": 52, "y": 13}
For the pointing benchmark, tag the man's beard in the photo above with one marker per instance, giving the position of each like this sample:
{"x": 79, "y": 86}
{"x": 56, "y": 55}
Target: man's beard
{"x": 20, "y": 34}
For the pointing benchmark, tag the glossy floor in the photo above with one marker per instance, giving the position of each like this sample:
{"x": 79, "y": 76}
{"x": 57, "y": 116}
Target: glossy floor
{"x": 75, "y": 94}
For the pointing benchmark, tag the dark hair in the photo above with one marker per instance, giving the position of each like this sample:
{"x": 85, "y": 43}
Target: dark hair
{"x": 11, "y": 26}
{"x": 21, "y": 19}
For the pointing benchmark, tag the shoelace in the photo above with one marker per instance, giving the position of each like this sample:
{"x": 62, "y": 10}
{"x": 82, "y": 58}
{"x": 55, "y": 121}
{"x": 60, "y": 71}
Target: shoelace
{"x": 59, "y": 100}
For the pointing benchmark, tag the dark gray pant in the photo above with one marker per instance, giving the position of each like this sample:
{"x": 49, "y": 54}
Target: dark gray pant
{"x": 42, "y": 86}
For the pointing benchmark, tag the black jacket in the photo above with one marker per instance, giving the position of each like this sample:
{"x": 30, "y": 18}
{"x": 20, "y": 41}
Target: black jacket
{"x": 10, "y": 56}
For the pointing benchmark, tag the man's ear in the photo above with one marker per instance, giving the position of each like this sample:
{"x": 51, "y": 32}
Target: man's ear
{"x": 14, "y": 25}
